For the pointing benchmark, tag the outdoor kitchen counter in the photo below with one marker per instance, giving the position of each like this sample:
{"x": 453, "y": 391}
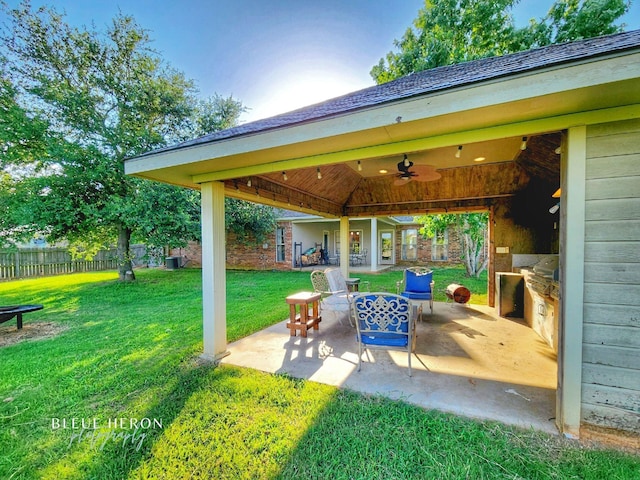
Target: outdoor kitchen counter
{"x": 541, "y": 309}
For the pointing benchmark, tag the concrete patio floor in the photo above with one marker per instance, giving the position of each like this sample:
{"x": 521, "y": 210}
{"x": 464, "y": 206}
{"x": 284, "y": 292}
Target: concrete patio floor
{"x": 468, "y": 361}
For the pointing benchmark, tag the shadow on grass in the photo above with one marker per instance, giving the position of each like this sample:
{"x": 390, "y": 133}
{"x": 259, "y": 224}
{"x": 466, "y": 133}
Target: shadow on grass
{"x": 125, "y": 447}
{"x": 371, "y": 437}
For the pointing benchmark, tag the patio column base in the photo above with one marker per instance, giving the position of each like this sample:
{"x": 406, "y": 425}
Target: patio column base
{"x": 215, "y": 359}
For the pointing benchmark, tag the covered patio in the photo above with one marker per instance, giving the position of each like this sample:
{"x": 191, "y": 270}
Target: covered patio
{"x": 499, "y": 135}
{"x": 468, "y": 361}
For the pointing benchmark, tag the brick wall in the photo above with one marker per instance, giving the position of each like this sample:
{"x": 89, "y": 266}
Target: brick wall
{"x": 245, "y": 256}
{"x": 424, "y": 248}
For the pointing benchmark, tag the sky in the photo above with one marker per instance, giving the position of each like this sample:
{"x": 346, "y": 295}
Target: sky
{"x": 274, "y": 55}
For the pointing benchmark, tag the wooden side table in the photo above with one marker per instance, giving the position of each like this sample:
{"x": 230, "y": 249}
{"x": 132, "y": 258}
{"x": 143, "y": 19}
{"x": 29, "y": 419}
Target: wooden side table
{"x": 309, "y": 315}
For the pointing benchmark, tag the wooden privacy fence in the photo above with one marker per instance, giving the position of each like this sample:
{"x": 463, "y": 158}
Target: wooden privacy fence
{"x": 37, "y": 262}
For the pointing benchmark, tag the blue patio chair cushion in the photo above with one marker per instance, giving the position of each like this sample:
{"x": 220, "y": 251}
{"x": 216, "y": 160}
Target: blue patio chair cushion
{"x": 417, "y": 295}
{"x": 417, "y": 287}
{"x": 387, "y": 339}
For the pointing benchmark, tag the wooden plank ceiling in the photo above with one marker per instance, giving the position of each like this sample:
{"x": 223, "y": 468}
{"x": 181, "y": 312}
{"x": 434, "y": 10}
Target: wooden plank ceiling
{"x": 362, "y": 190}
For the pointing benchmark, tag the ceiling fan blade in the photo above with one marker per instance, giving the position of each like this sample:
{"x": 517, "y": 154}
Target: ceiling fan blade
{"x": 426, "y": 173}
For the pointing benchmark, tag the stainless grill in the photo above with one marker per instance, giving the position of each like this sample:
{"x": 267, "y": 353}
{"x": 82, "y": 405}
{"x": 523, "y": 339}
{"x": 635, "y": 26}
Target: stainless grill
{"x": 540, "y": 284}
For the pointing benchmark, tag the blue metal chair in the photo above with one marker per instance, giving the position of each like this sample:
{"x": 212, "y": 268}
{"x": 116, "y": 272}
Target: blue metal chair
{"x": 384, "y": 321}
{"x": 417, "y": 285}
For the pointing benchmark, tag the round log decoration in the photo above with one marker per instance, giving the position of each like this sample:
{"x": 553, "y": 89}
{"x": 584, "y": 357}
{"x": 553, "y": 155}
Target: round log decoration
{"x": 458, "y": 293}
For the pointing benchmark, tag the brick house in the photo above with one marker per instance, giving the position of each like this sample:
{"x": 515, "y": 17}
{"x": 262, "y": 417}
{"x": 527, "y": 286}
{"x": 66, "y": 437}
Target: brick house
{"x": 399, "y": 243}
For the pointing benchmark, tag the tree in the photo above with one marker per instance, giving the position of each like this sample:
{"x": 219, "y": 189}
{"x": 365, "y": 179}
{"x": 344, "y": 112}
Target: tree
{"x": 454, "y": 31}
{"x": 249, "y": 221}
{"x": 471, "y": 229}
{"x": 22, "y": 137}
{"x": 105, "y": 97}
{"x": 569, "y": 20}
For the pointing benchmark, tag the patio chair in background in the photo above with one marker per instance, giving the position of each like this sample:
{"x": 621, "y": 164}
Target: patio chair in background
{"x": 384, "y": 321}
{"x": 320, "y": 283}
{"x": 417, "y": 285}
{"x": 335, "y": 294}
{"x": 359, "y": 258}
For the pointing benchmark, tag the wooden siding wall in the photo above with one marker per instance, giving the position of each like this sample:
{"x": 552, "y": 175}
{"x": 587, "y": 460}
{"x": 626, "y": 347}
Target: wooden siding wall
{"x": 611, "y": 342}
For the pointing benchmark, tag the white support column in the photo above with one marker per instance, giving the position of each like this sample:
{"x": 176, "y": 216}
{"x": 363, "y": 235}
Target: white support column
{"x": 374, "y": 244}
{"x": 572, "y": 246}
{"x": 214, "y": 282}
{"x": 344, "y": 246}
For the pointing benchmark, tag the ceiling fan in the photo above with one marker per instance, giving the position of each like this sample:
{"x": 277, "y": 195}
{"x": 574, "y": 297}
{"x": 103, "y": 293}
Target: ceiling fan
{"x": 420, "y": 173}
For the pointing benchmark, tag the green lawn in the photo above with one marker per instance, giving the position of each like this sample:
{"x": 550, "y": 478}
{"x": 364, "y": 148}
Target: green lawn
{"x": 130, "y": 351}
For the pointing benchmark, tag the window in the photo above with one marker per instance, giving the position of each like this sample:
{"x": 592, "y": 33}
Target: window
{"x": 280, "y": 245}
{"x": 409, "y": 244}
{"x": 440, "y": 246}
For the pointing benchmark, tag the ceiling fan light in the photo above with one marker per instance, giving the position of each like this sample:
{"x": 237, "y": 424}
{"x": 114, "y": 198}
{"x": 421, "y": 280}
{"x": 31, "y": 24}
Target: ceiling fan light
{"x": 406, "y": 160}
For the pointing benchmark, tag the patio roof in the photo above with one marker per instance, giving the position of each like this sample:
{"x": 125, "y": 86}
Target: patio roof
{"x": 333, "y": 152}
{"x": 431, "y": 81}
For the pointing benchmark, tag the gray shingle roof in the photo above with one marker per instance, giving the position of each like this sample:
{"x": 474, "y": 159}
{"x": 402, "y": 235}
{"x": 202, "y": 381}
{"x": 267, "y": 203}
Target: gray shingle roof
{"x": 434, "y": 80}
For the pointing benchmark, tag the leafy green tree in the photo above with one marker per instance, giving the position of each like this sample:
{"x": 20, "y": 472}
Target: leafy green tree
{"x": 105, "y": 97}
{"x": 454, "y": 31}
{"x": 22, "y": 137}
{"x": 447, "y": 32}
{"x": 250, "y": 222}
{"x": 569, "y": 20}
{"x": 471, "y": 229}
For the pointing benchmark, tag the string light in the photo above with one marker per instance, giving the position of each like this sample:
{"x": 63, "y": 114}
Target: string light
{"x": 319, "y": 173}
{"x": 459, "y": 151}
{"x": 284, "y": 176}
{"x": 359, "y": 166}
{"x": 249, "y": 183}
{"x": 523, "y": 145}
